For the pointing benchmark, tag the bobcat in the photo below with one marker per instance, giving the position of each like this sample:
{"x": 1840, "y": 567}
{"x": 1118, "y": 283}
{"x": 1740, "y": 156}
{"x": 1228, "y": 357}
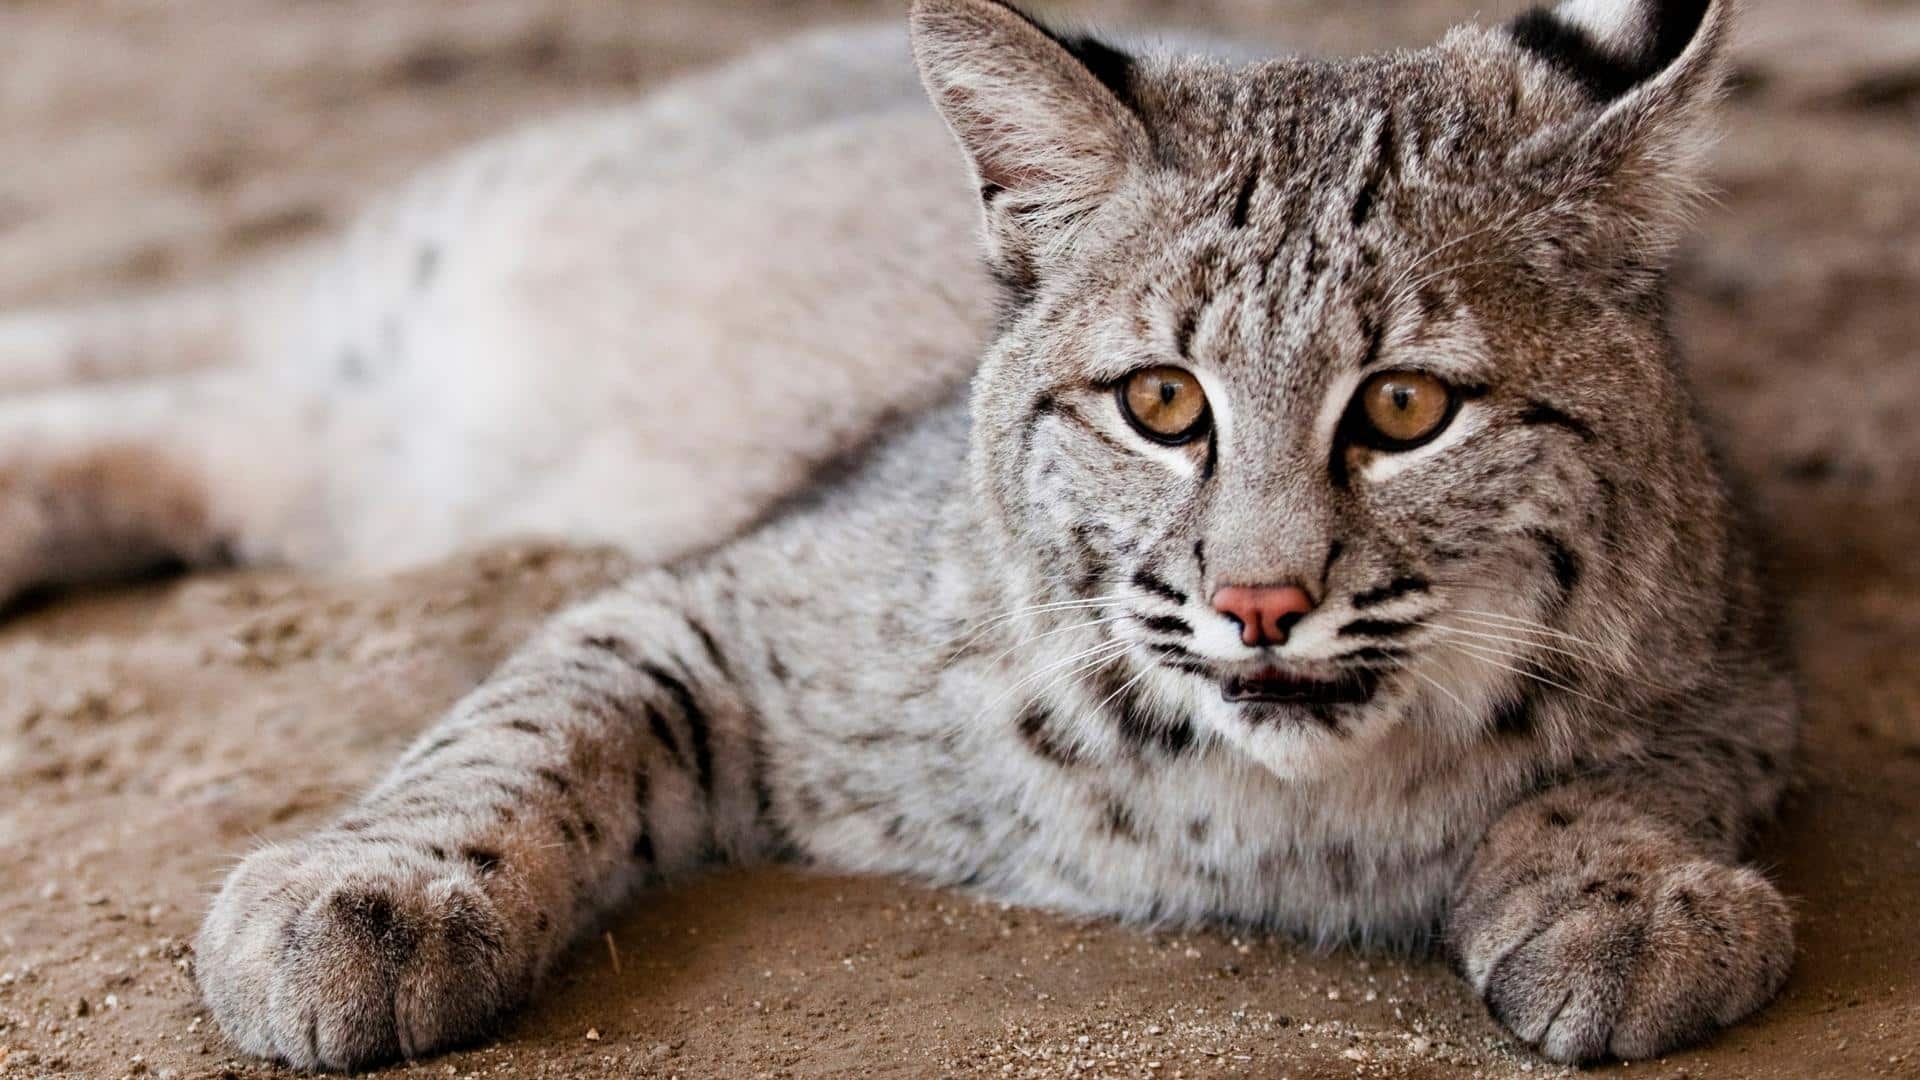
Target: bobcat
{"x": 1296, "y": 518}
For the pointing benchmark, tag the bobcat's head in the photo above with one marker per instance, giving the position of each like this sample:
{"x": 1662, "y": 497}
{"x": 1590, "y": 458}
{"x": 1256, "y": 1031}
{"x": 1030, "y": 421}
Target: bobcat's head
{"x": 1346, "y": 383}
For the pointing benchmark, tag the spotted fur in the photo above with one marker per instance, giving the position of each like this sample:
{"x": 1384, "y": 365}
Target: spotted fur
{"x": 977, "y": 648}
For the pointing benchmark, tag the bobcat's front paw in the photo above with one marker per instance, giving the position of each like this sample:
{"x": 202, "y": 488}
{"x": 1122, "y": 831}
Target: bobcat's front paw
{"x": 1628, "y": 960}
{"x": 338, "y": 955}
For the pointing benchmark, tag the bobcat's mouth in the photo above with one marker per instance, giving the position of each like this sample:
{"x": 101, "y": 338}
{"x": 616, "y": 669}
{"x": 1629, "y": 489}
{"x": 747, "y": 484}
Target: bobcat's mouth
{"x": 1277, "y": 687}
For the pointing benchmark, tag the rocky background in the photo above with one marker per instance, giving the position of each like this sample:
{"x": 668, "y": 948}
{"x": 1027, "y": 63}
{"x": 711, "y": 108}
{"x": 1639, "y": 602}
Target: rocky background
{"x": 148, "y": 735}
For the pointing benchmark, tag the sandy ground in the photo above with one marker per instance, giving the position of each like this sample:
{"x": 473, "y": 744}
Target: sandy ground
{"x": 147, "y": 735}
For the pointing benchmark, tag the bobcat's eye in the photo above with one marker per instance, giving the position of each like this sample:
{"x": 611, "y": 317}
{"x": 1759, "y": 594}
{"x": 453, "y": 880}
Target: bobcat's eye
{"x": 1399, "y": 410}
{"x": 1165, "y": 404}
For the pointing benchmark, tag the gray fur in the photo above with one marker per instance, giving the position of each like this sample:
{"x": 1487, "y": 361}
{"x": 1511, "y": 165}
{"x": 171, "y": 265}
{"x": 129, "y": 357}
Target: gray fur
{"x": 978, "y": 650}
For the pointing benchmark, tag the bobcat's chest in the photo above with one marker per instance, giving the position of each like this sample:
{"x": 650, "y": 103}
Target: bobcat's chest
{"x": 1212, "y": 842}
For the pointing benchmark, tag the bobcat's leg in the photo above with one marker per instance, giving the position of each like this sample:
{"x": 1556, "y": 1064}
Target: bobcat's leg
{"x": 101, "y": 482}
{"x": 609, "y": 751}
{"x": 1608, "y": 917}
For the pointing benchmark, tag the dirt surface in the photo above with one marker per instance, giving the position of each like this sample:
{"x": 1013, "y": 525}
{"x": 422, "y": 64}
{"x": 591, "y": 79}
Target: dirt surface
{"x": 148, "y": 735}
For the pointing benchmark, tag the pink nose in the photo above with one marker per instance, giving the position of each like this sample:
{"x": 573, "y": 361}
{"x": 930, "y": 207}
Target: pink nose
{"x": 1265, "y": 612}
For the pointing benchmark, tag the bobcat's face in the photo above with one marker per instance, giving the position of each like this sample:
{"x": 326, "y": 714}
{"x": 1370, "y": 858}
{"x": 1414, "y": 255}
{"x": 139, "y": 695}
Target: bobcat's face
{"x": 1333, "y": 381}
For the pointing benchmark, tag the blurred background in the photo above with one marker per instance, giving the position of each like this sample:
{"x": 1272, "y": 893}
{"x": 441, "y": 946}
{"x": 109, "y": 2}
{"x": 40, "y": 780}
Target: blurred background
{"x": 148, "y": 734}
{"x": 146, "y": 139}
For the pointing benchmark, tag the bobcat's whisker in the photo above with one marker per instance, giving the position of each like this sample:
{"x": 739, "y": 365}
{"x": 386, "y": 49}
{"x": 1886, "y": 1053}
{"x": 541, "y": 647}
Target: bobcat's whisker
{"x": 1050, "y": 605}
{"x": 1605, "y": 663}
{"x": 1440, "y": 686}
{"x": 1531, "y": 642}
{"x": 954, "y": 652}
{"x": 979, "y": 629}
{"x": 1499, "y": 227}
{"x": 1064, "y": 677}
{"x": 1009, "y": 650}
{"x": 1497, "y": 658}
{"x": 1124, "y": 687}
{"x": 1514, "y": 624}
{"x": 1453, "y": 268}
{"x": 1670, "y": 588}
{"x": 1105, "y": 646}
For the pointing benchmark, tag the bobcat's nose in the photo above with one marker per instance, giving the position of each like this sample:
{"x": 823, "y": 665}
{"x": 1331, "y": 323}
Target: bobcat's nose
{"x": 1265, "y": 612}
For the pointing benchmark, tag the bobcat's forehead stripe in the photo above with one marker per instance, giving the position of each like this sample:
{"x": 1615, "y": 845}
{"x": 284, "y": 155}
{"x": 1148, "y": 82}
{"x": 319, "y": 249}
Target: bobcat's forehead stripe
{"x": 1183, "y": 335}
{"x": 1375, "y": 336}
{"x": 1243, "y": 200}
{"x": 1377, "y": 172}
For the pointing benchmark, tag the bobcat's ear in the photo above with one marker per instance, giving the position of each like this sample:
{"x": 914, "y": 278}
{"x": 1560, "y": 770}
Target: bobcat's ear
{"x": 1646, "y": 76}
{"x": 1044, "y": 119}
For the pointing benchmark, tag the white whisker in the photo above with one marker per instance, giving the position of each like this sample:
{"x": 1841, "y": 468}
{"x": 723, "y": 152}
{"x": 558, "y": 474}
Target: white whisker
{"x": 978, "y": 630}
{"x": 1063, "y": 677}
{"x": 1516, "y": 624}
{"x": 1488, "y": 656}
{"x": 1004, "y": 653}
{"x": 1529, "y": 642}
{"x": 1124, "y": 687}
{"x": 1414, "y": 670}
{"x": 1114, "y": 647}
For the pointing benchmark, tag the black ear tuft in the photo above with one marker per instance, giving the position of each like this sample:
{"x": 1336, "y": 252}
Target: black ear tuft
{"x": 1654, "y": 69}
{"x": 1676, "y": 22}
{"x": 1608, "y": 49}
{"x": 1111, "y": 66}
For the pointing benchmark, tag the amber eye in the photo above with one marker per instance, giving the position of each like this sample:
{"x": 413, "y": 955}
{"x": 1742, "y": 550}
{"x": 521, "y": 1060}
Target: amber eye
{"x": 1399, "y": 410}
{"x": 1165, "y": 404}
